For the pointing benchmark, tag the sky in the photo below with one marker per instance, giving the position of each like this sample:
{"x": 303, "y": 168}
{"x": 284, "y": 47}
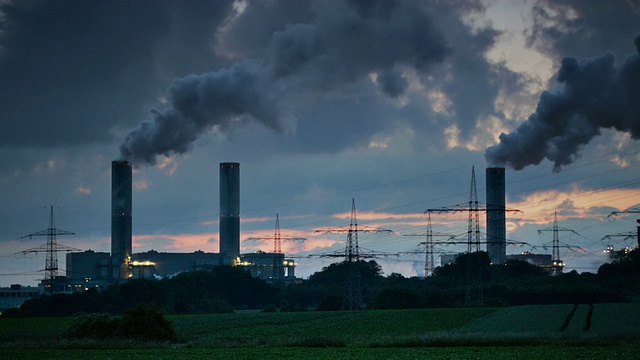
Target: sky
{"x": 390, "y": 104}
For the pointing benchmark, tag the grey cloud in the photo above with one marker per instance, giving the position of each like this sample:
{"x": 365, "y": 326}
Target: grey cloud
{"x": 343, "y": 46}
{"x": 581, "y": 28}
{"x": 393, "y": 83}
{"x": 350, "y": 40}
{"x": 474, "y": 83}
{"x": 90, "y": 69}
{"x": 73, "y": 70}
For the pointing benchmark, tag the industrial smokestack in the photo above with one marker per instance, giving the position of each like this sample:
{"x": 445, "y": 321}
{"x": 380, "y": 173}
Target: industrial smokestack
{"x": 121, "y": 186}
{"x": 229, "y": 212}
{"x": 496, "y": 220}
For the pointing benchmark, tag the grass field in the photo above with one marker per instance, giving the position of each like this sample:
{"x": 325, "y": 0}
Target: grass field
{"x": 485, "y": 352}
{"x": 531, "y": 332}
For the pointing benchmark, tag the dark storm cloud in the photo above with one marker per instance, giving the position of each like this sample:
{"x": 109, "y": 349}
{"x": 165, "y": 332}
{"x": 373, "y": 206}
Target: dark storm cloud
{"x": 334, "y": 47}
{"x": 344, "y": 45}
{"x": 350, "y": 39}
{"x": 393, "y": 83}
{"x": 581, "y": 28}
{"x": 474, "y": 83}
{"x": 596, "y": 95}
{"x": 78, "y": 72}
{"x": 72, "y": 70}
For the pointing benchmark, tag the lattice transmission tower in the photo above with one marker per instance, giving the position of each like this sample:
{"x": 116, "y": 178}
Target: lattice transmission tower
{"x": 429, "y": 244}
{"x": 628, "y": 211}
{"x": 51, "y": 248}
{"x": 556, "y": 263}
{"x": 352, "y": 294}
{"x": 277, "y": 239}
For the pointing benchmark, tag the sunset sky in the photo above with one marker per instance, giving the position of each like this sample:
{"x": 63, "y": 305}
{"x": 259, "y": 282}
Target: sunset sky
{"x": 390, "y": 103}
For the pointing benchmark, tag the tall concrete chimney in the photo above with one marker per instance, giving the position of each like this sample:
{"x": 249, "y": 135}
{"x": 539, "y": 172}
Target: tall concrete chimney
{"x": 121, "y": 186}
{"x": 229, "y": 212}
{"x": 496, "y": 220}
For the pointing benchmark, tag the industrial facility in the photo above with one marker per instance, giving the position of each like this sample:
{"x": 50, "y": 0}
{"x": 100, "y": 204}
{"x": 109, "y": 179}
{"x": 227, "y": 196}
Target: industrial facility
{"x": 496, "y": 234}
{"x": 100, "y": 268}
{"x": 97, "y": 270}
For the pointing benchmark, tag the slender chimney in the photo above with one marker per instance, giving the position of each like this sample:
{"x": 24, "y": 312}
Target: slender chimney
{"x": 120, "y": 219}
{"x": 229, "y": 212}
{"x": 496, "y": 220}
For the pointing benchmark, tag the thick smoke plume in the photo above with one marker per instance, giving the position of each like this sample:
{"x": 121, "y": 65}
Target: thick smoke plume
{"x": 595, "y": 95}
{"x": 347, "y": 43}
{"x": 199, "y": 103}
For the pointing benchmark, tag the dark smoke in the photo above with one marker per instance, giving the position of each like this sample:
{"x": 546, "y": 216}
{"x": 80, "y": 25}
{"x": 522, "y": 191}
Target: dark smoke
{"x": 197, "y": 104}
{"x": 595, "y": 95}
{"x": 345, "y": 44}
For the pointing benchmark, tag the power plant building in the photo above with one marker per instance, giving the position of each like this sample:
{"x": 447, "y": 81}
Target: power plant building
{"x": 496, "y": 219}
{"x": 88, "y": 265}
{"x": 96, "y": 269}
{"x": 268, "y": 266}
{"x": 147, "y": 264}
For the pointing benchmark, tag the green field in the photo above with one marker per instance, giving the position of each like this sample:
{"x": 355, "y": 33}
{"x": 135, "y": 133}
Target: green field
{"x": 531, "y": 332}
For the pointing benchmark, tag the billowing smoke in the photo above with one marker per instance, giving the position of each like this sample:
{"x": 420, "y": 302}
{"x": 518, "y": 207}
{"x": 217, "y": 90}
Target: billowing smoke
{"x": 347, "y": 42}
{"x": 199, "y": 103}
{"x": 595, "y": 95}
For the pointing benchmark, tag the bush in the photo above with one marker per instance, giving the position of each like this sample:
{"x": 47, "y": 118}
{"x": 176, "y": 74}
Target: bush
{"x": 141, "y": 322}
{"x": 94, "y": 326}
{"x": 146, "y": 322}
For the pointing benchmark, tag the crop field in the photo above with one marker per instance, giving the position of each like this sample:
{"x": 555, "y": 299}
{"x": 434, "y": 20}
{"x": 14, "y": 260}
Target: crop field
{"x": 532, "y": 332}
{"x": 336, "y": 327}
{"x": 608, "y": 321}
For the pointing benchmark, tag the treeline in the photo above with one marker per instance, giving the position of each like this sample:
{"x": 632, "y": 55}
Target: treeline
{"x": 220, "y": 290}
{"x": 470, "y": 281}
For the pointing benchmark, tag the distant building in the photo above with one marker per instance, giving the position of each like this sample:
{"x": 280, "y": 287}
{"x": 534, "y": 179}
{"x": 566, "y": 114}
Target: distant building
{"x": 542, "y": 260}
{"x": 272, "y": 267}
{"x": 167, "y": 264}
{"x": 448, "y": 258}
{"x": 92, "y": 267}
{"x": 88, "y": 265}
{"x": 15, "y": 295}
{"x": 64, "y": 285}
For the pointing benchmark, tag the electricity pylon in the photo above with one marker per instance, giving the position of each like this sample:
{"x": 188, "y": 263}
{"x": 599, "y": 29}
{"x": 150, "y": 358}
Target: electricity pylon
{"x": 473, "y": 231}
{"x": 277, "y": 239}
{"x": 474, "y": 207}
{"x": 429, "y": 264}
{"x": 556, "y": 263}
{"x": 629, "y": 211}
{"x": 51, "y": 248}
{"x": 352, "y": 295}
